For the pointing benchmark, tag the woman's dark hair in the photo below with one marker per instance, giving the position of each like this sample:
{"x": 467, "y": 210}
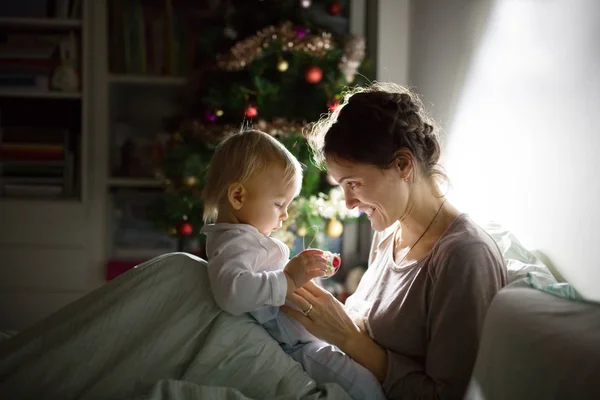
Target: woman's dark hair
{"x": 373, "y": 124}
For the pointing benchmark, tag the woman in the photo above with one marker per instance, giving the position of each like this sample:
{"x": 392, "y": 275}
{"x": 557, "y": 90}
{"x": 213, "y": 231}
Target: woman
{"x": 416, "y": 317}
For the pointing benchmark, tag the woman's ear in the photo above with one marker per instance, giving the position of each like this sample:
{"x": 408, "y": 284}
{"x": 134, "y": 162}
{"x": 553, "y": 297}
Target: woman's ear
{"x": 405, "y": 164}
{"x": 236, "y": 194}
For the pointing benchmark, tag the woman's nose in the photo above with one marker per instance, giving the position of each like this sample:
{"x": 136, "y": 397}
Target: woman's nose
{"x": 351, "y": 201}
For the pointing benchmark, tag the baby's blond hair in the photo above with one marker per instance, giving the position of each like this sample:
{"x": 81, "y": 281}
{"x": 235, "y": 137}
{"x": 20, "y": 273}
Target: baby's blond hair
{"x": 236, "y": 159}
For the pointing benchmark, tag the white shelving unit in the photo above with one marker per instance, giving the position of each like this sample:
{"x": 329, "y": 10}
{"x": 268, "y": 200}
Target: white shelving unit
{"x": 133, "y": 183}
{"x": 71, "y": 108}
{"x": 33, "y": 94}
{"x": 147, "y": 80}
{"x": 45, "y": 243}
{"x": 40, "y": 23}
{"x": 131, "y": 102}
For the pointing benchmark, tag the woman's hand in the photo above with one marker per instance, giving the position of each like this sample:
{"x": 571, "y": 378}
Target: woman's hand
{"x": 323, "y": 315}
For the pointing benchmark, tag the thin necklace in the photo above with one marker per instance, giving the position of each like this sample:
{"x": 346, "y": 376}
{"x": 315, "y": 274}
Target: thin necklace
{"x": 422, "y": 234}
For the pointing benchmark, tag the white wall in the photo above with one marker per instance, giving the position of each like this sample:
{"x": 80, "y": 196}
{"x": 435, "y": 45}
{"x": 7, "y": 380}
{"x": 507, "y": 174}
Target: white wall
{"x": 521, "y": 117}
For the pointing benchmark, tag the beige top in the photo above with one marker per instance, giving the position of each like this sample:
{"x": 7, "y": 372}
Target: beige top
{"x": 429, "y": 314}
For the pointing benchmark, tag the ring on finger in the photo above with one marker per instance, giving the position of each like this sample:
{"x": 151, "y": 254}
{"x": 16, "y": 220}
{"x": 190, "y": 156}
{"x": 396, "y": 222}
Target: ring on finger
{"x": 308, "y": 310}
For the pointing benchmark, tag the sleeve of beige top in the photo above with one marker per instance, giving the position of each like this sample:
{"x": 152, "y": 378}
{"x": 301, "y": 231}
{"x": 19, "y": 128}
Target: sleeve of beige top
{"x": 463, "y": 289}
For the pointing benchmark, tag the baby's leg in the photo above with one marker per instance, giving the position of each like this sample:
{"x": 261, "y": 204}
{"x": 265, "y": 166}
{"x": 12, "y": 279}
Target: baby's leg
{"x": 290, "y": 334}
{"x": 326, "y": 363}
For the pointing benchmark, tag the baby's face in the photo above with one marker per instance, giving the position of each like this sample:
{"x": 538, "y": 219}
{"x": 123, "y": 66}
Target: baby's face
{"x": 269, "y": 196}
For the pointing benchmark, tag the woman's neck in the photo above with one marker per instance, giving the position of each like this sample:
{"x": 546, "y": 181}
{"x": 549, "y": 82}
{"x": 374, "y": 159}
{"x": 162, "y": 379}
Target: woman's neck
{"x": 427, "y": 212}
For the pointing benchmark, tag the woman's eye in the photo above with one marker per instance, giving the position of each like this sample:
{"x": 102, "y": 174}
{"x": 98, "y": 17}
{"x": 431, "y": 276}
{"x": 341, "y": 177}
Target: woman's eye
{"x": 352, "y": 185}
{"x": 278, "y": 205}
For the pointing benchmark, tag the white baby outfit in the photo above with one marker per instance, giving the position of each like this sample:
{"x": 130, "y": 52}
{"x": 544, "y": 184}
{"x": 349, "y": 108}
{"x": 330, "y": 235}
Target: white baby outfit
{"x": 245, "y": 269}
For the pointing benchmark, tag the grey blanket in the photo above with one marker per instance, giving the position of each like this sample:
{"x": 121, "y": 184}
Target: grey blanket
{"x": 153, "y": 333}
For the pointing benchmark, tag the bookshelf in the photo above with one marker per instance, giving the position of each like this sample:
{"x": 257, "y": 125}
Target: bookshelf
{"x": 143, "y": 77}
{"x": 43, "y": 105}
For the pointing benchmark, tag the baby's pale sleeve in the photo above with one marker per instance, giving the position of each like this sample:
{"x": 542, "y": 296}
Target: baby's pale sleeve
{"x": 236, "y": 287}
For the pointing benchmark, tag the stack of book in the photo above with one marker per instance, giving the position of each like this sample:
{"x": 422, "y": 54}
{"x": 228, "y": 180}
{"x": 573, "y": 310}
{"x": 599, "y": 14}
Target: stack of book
{"x": 28, "y": 60}
{"x": 35, "y": 162}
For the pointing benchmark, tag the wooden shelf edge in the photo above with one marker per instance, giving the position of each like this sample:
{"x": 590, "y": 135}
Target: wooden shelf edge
{"x": 133, "y": 183}
{"x": 149, "y": 80}
{"x": 39, "y": 94}
{"x": 22, "y": 22}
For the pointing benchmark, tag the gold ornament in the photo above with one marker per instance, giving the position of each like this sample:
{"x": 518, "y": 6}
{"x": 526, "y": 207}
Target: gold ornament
{"x": 282, "y": 65}
{"x": 219, "y": 113}
{"x": 334, "y": 228}
{"x": 246, "y": 51}
{"x": 172, "y": 231}
{"x": 302, "y": 231}
{"x": 191, "y": 181}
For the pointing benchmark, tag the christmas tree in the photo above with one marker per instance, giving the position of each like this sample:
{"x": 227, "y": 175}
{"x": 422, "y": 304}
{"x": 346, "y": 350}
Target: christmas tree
{"x": 279, "y": 65}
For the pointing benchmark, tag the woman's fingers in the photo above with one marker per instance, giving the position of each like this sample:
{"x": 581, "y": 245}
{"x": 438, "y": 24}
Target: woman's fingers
{"x": 299, "y": 301}
{"x": 297, "y": 315}
{"x": 306, "y": 295}
{"x": 313, "y": 289}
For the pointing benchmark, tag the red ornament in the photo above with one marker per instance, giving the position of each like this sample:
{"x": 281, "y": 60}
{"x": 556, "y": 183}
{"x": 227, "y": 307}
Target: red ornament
{"x": 333, "y": 105}
{"x": 336, "y": 262}
{"x": 313, "y": 74}
{"x": 335, "y": 8}
{"x": 185, "y": 229}
{"x": 251, "y": 112}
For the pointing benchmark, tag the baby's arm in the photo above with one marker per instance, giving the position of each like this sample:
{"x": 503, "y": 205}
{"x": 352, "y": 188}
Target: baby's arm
{"x": 236, "y": 288}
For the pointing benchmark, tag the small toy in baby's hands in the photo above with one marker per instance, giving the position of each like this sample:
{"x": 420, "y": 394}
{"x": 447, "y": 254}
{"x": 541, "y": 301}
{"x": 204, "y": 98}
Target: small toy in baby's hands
{"x": 334, "y": 262}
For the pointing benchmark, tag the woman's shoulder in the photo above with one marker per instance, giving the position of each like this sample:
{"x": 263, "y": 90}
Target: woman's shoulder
{"x": 466, "y": 243}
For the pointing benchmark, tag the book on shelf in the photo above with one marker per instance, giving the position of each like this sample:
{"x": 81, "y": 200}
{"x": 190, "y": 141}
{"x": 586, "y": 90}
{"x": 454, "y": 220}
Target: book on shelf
{"x": 149, "y": 38}
{"x": 36, "y": 162}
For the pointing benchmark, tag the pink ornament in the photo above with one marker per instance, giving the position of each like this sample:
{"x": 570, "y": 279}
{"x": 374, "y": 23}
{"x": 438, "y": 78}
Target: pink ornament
{"x": 300, "y": 31}
{"x": 210, "y": 116}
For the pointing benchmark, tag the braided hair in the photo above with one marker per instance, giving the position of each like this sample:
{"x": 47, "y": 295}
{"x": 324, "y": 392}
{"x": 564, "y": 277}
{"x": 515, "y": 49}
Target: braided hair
{"x": 373, "y": 124}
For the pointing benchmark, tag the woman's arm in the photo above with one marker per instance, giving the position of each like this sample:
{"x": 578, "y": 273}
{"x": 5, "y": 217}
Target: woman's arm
{"x": 365, "y": 351}
{"x": 329, "y": 321}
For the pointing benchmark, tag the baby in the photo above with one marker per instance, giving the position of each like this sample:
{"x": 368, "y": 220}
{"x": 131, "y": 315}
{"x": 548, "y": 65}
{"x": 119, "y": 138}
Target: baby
{"x": 250, "y": 182}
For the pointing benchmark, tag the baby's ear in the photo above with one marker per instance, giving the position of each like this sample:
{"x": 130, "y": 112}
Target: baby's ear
{"x": 236, "y": 194}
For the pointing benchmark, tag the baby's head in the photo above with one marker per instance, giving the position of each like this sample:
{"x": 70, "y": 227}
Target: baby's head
{"x": 252, "y": 178}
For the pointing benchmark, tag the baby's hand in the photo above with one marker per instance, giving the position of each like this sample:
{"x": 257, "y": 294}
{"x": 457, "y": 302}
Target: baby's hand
{"x": 305, "y": 266}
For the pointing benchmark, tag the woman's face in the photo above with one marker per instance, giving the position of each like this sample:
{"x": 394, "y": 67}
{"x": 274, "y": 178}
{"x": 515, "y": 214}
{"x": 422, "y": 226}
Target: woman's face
{"x": 380, "y": 193}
